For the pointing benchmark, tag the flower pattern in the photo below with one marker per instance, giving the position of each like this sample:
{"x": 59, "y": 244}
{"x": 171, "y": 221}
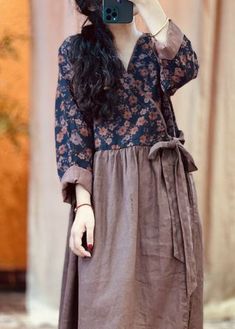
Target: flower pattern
{"x": 145, "y": 113}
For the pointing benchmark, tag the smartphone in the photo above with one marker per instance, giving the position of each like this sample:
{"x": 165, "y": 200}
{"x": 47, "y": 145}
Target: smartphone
{"x": 117, "y": 11}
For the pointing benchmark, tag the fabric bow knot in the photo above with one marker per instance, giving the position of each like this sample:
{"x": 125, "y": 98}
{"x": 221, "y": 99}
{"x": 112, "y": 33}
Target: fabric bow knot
{"x": 179, "y": 202}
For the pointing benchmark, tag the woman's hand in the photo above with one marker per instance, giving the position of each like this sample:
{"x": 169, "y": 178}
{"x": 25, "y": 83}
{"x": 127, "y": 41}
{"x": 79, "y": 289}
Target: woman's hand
{"x": 84, "y": 222}
{"x": 153, "y": 15}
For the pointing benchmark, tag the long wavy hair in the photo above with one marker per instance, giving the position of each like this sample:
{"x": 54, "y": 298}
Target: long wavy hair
{"x": 96, "y": 65}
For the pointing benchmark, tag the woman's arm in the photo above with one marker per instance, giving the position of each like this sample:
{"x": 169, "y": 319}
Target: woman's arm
{"x": 74, "y": 144}
{"x": 73, "y": 134}
{"x": 178, "y": 63}
{"x": 82, "y": 195}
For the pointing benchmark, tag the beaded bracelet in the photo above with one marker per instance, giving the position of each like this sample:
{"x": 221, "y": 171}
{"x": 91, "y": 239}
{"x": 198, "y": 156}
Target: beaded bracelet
{"x": 165, "y": 23}
{"x": 83, "y": 204}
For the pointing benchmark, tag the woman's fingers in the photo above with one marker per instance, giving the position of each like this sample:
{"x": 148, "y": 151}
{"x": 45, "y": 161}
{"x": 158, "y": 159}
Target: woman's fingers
{"x": 72, "y": 247}
{"x": 90, "y": 236}
{"x": 76, "y": 243}
{"x": 82, "y": 225}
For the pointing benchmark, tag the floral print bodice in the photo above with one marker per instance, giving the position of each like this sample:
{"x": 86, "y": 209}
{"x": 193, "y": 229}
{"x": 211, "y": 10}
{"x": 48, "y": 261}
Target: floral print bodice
{"x": 145, "y": 113}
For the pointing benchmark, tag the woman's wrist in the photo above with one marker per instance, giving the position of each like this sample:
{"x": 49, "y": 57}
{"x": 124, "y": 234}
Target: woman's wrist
{"x": 82, "y": 195}
{"x": 81, "y": 205}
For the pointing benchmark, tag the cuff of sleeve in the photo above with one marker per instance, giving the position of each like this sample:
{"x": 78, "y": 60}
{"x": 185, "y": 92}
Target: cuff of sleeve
{"x": 171, "y": 46}
{"x": 75, "y": 175}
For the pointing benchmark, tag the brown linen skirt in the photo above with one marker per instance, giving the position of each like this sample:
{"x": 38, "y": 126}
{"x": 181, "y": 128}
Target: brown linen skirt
{"x": 146, "y": 270}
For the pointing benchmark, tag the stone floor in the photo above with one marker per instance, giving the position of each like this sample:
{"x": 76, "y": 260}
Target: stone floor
{"x": 13, "y": 315}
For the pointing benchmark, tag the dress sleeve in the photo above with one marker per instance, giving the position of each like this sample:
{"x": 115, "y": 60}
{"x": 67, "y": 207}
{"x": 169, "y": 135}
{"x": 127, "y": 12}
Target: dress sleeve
{"x": 177, "y": 60}
{"x": 74, "y": 141}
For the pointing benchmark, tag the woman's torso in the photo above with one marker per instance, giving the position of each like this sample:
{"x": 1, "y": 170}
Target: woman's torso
{"x": 145, "y": 114}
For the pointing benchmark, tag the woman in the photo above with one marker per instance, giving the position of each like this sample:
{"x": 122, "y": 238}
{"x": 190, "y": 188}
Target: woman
{"x": 134, "y": 244}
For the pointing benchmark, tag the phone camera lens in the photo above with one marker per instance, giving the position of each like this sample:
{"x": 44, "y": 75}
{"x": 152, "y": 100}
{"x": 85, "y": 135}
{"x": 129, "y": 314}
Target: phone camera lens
{"x": 108, "y": 10}
{"x": 114, "y": 14}
{"x": 108, "y": 17}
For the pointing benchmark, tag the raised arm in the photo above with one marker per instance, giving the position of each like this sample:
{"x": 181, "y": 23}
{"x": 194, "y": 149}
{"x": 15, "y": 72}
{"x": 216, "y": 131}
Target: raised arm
{"x": 178, "y": 62}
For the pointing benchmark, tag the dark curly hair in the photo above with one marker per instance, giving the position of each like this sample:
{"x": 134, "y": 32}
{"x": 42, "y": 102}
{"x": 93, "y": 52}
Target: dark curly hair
{"x": 96, "y": 65}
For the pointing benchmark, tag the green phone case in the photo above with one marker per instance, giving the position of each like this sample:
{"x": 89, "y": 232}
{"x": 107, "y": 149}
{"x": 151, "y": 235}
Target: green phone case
{"x": 117, "y": 11}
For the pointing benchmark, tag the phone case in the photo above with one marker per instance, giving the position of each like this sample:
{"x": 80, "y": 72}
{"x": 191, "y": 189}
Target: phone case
{"x": 117, "y": 11}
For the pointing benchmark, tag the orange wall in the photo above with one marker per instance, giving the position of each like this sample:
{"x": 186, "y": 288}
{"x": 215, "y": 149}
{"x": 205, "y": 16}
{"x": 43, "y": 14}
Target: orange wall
{"x": 14, "y": 83}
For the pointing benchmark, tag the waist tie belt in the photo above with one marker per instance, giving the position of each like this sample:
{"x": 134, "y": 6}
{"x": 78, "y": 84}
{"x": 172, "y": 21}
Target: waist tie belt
{"x": 179, "y": 204}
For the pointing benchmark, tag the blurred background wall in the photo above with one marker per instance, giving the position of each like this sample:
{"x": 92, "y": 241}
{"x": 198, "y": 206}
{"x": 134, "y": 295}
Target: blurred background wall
{"x": 205, "y": 112}
{"x": 205, "y": 109}
{"x": 14, "y": 149}
{"x": 47, "y": 216}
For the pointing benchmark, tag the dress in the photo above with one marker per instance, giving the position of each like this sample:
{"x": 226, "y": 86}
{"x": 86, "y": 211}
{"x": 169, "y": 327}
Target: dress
{"x": 146, "y": 270}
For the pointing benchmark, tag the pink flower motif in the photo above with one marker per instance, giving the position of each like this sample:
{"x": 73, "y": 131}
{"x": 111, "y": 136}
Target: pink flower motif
{"x": 97, "y": 142}
{"x": 148, "y": 96}
{"x": 84, "y": 131}
{"x": 111, "y": 126}
{"x": 121, "y": 130}
{"x": 134, "y": 130}
{"x": 179, "y": 72}
{"x": 143, "y": 111}
{"x": 126, "y": 85}
{"x": 140, "y": 121}
{"x": 132, "y": 100}
{"x": 62, "y": 106}
{"x": 64, "y": 129}
{"x": 160, "y": 126}
{"x": 102, "y": 131}
{"x": 127, "y": 115}
{"x": 127, "y": 124}
{"x": 75, "y": 139}
{"x": 165, "y": 72}
{"x": 59, "y": 137}
{"x": 137, "y": 83}
{"x": 183, "y": 59}
{"x": 143, "y": 72}
{"x": 88, "y": 152}
{"x": 62, "y": 149}
{"x": 72, "y": 111}
{"x": 153, "y": 115}
{"x": 78, "y": 121}
{"x": 143, "y": 138}
{"x": 145, "y": 45}
{"x": 81, "y": 156}
{"x": 63, "y": 122}
{"x": 134, "y": 109}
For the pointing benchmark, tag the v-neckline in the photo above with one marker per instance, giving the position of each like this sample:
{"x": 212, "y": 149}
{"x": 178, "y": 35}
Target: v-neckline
{"x": 126, "y": 69}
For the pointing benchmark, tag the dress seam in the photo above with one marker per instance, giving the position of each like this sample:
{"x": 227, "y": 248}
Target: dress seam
{"x": 125, "y": 147}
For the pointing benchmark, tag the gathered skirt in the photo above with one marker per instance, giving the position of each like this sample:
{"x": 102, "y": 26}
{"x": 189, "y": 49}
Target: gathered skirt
{"x": 146, "y": 269}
